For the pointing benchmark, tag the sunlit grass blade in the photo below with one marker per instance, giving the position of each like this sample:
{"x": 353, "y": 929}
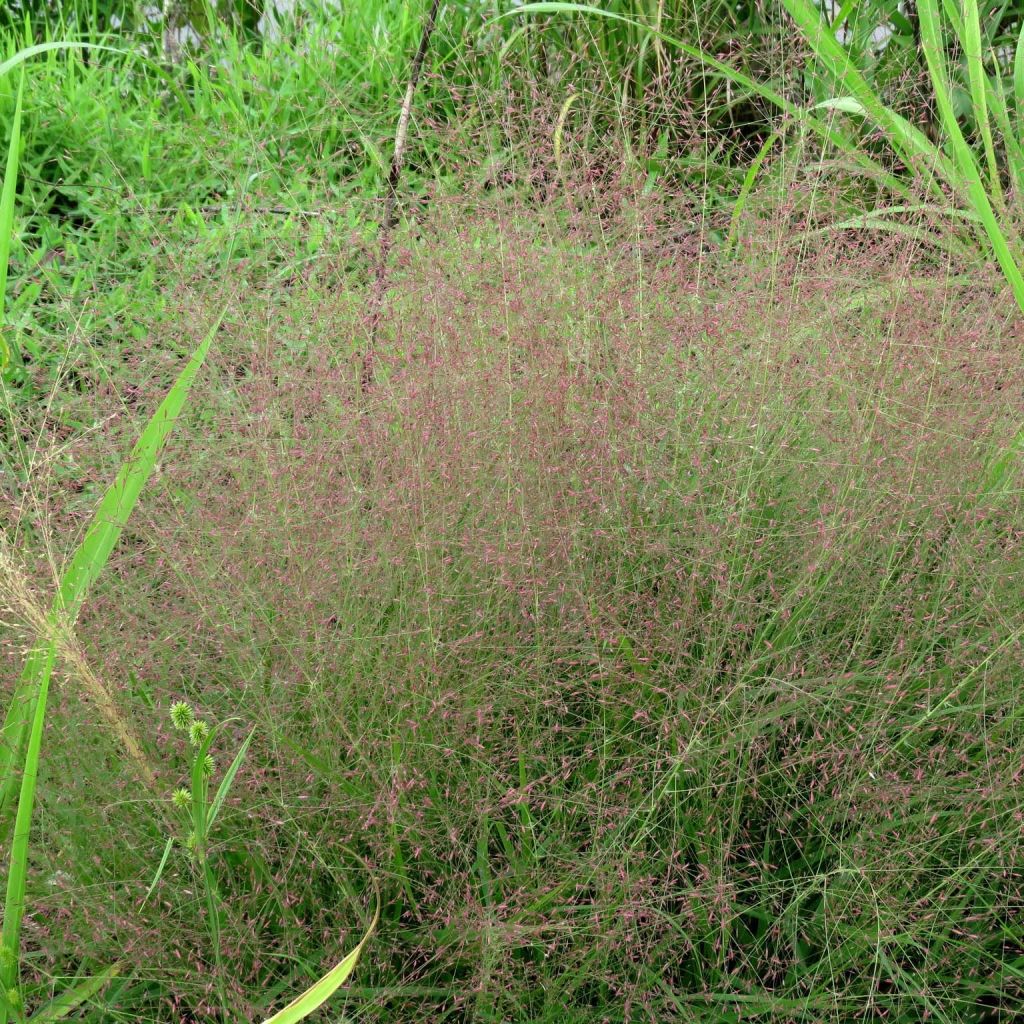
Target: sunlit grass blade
{"x": 71, "y": 999}
{"x": 319, "y": 992}
{"x": 962, "y": 172}
{"x": 978, "y": 79}
{"x": 912, "y": 146}
{"x": 969, "y": 172}
{"x": 90, "y": 558}
{"x": 33, "y": 51}
{"x": 993, "y": 101}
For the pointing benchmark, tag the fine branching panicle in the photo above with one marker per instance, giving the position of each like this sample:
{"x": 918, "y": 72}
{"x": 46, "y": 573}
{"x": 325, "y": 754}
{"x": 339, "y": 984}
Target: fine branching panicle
{"x": 511, "y": 512}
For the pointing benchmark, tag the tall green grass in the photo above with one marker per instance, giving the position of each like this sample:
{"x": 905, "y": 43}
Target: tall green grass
{"x": 929, "y": 164}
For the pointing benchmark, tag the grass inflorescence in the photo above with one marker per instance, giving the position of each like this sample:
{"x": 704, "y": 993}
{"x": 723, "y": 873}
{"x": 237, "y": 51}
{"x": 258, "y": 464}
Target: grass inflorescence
{"x": 638, "y": 642}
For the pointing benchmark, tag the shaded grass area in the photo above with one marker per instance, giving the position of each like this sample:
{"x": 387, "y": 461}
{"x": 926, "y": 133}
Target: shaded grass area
{"x": 649, "y": 631}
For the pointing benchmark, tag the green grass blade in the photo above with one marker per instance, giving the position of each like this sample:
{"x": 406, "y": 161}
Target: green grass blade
{"x": 7, "y": 201}
{"x": 33, "y": 51}
{"x": 200, "y": 790}
{"x": 970, "y": 174}
{"x": 117, "y": 504}
{"x": 70, "y": 999}
{"x": 917, "y": 234}
{"x": 229, "y": 777}
{"x": 1003, "y": 118}
{"x": 977, "y": 80}
{"x": 9, "y": 194}
{"x": 14, "y": 903}
{"x": 725, "y": 71}
{"x": 200, "y": 820}
{"x": 998, "y": 470}
{"x": 748, "y": 184}
{"x": 910, "y": 136}
{"x": 1018, "y": 81}
{"x": 320, "y": 991}
{"x": 912, "y": 146}
{"x": 159, "y": 871}
{"x": 92, "y": 554}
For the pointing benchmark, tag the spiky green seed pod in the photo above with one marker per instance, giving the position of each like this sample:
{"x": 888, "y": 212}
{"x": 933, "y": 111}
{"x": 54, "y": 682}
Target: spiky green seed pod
{"x": 197, "y": 733}
{"x": 182, "y": 716}
{"x": 7, "y": 957}
{"x": 14, "y": 998}
{"x": 208, "y": 765}
{"x": 182, "y": 798}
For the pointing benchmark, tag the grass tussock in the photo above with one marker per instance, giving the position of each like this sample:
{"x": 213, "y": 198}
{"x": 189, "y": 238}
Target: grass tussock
{"x": 649, "y": 632}
{"x": 596, "y": 602}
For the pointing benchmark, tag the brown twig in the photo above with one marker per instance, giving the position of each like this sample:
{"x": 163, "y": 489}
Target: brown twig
{"x": 387, "y": 228}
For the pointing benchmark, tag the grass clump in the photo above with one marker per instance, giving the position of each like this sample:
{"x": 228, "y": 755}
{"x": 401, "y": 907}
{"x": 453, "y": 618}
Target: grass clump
{"x": 657, "y": 657}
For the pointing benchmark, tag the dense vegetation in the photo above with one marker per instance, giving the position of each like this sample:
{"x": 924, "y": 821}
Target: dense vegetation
{"x": 636, "y": 637}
